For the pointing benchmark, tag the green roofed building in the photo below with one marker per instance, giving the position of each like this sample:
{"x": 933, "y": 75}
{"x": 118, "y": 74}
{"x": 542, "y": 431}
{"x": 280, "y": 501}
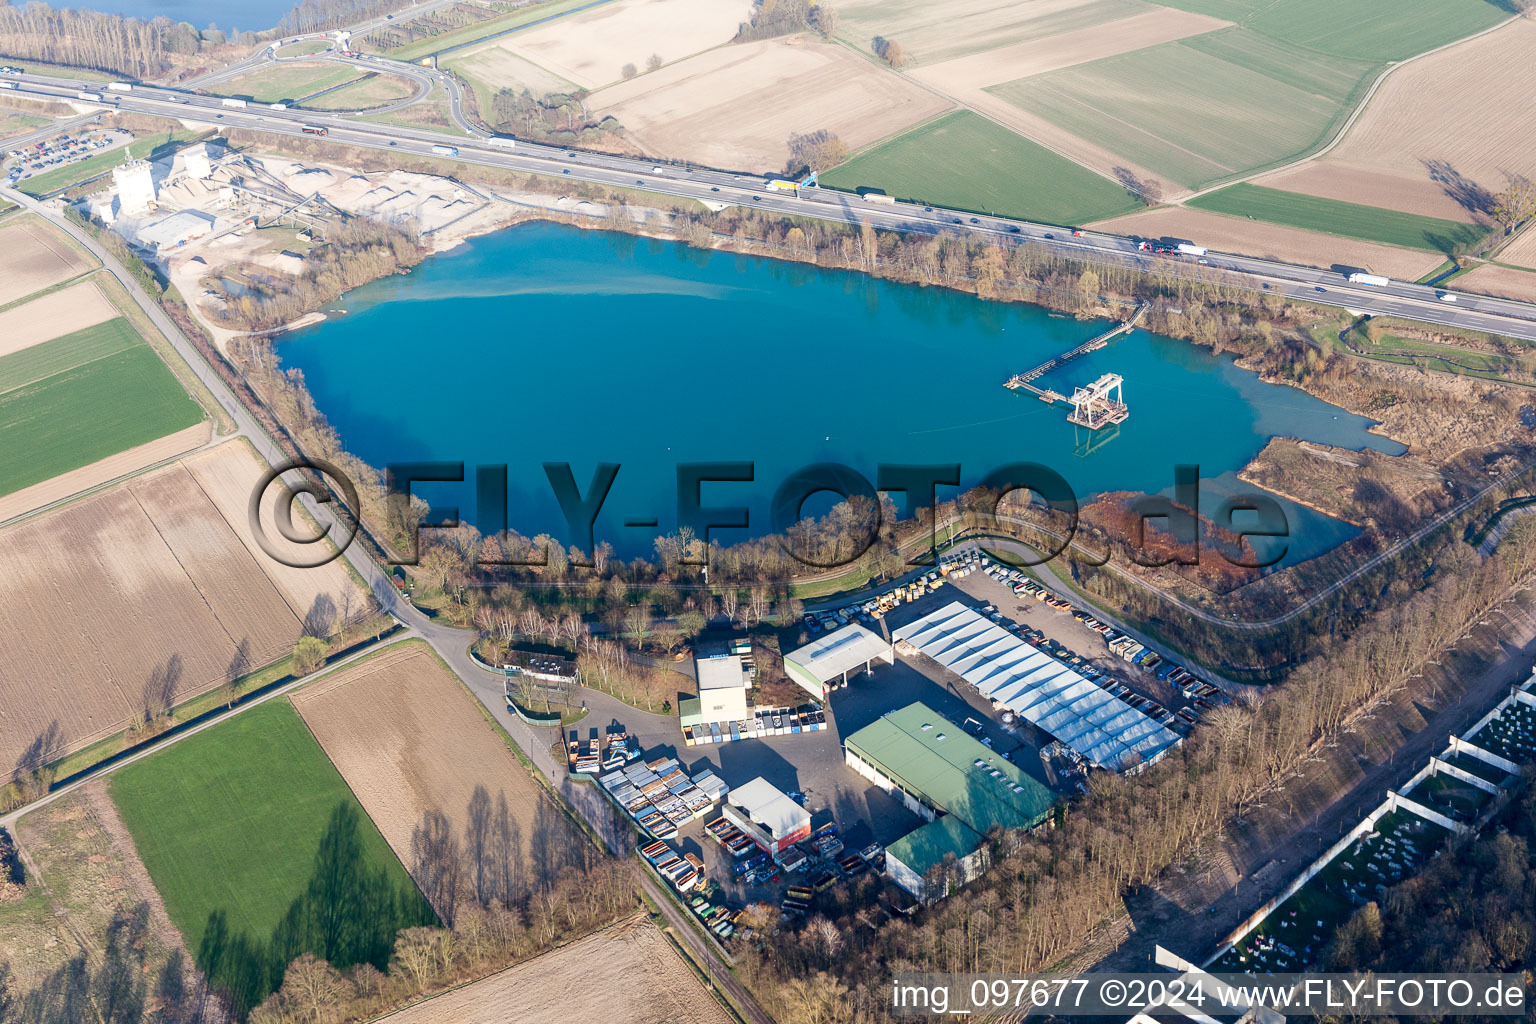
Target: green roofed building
{"x": 963, "y": 787}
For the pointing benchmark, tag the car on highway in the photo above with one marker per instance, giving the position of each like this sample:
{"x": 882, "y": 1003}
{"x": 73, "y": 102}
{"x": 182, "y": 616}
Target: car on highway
{"x": 757, "y": 199}
{"x": 392, "y": 142}
{"x": 1013, "y": 229}
{"x": 639, "y": 182}
{"x": 975, "y": 221}
{"x": 1049, "y": 235}
{"x": 716, "y": 188}
{"x": 1319, "y": 288}
{"x": 566, "y": 170}
{"x": 928, "y": 209}
{"x": 1205, "y": 262}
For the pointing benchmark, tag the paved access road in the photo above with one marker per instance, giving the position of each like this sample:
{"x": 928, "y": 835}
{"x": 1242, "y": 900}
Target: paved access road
{"x": 480, "y": 148}
{"x": 450, "y": 643}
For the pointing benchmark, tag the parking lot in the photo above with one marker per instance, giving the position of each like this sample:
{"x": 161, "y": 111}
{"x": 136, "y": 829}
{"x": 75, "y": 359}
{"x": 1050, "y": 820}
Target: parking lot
{"x": 68, "y": 148}
{"x": 810, "y": 767}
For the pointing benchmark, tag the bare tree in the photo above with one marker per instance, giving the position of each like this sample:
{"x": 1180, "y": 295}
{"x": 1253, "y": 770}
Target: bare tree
{"x": 629, "y": 71}
{"x": 653, "y": 62}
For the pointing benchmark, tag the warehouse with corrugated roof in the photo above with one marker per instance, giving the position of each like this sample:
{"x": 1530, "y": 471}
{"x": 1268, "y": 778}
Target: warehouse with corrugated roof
{"x": 963, "y": 787}
{"x": 1038, "y": 688}
{"x": 825, "y": 662}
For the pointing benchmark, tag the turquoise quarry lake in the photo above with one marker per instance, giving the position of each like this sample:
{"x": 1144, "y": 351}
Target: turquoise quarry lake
{"x": 545, "y": 343}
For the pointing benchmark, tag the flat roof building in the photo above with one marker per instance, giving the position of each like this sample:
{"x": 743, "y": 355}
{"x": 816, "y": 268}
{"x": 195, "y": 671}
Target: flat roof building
{"x": 722, "y": 689}
{"x": 768, "y": 817}
{"x": 825, "y": 662}
{"x": 1038, "y": 688}
{"x": 963, "y": 787}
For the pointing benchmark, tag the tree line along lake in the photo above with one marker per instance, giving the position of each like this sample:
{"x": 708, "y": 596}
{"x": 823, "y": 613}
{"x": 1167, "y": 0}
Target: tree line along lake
{"x": 548, "y": 343}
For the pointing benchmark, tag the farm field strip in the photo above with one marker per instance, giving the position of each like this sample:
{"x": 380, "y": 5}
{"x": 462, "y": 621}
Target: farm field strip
{"x": 1003, "y": 173}
{"x": 88, "y": 410}
{"x": 930, "y": 32}
{"x": 104, "y": 616}
{"x": 408, "y": 738}
{"x": 1440, "y": 134}
{"x": 1215, "y": 111}
{"x": 1291, "y": 245}
{"x": 1522, "y": 251}
{"x": 1506, "y": 282}
{"x": 82, "y": 854}
{"x": 44, "y": 359}
{"x": 102, "y": 471}
{"x": 960, "y": 76}
{"x": 736, "y": 106}
{"x": 52, "y": 316}
{"x": 627, "y": 971}
{"x": 32, "y": 257}
{"x": 230, "y": 820}
{"x": 591, "y": 47}
{"x": 1331, "y": 216}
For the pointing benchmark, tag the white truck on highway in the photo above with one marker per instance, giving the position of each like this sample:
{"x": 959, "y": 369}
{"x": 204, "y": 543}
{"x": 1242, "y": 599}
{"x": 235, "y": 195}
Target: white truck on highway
{"x": 502, "y": 141}
{"x": 120, "y": 87}
{"x": 1191, "y": 250}
{"x": 1372, "y": 279}
{"x": 446, "y": 150}
{"x": 228, "y": 102}
{"x": 277, "y": 106}
{"x": 94, "y": 96}
{"x": 7, "y": 85}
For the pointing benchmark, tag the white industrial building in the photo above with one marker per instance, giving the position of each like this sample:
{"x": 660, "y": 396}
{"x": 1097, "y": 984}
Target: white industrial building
{"x": 135, "y": 184}
{"x": 722, "y": 688}
{"x": 1092, "y": 721}
{"x": 177, "y": 229}
{"x": 824, "y": 663}
{"x": 768, "y": 817}
{"x": 198, "y": 160}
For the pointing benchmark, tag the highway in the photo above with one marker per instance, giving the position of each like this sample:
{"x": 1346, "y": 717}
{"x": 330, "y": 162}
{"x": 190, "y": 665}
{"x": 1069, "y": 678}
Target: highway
{"x": 1324, "y": 287}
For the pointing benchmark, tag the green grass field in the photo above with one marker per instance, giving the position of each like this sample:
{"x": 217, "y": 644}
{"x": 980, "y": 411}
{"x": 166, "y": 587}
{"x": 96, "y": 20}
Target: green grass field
{"x": 231, "y": 818}
{"x": 1377, "y": 30}
{"x": 68, "y": 402}
{"x": 286, "y": 81}
{"x": 1244, "y": 99}
{"x": 364, "y": 94}
{"x": 966, "y": 162}
{"x": 1351, "y": 220}
{"x": 1200, "y": 109}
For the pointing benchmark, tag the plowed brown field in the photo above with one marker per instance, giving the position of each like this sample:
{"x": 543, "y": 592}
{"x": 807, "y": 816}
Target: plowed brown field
{"x": 32, "y": 257}
{"x": 628, "y": 971}
{"x": 54, "y": 315}
{"x": 409, "y": 738}
{"x": 1504, "y": 282}
{"x": 1522, "y": 251}
{"x": 1439, "y": 134}
{"x": 142, "y": 589}
{"x": 736, "y": 106}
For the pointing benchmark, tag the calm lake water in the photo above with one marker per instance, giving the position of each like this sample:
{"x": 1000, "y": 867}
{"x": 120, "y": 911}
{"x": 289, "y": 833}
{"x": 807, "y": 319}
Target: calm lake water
{"x": 247, "y": 15}
{"x": 548, "y": 343}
